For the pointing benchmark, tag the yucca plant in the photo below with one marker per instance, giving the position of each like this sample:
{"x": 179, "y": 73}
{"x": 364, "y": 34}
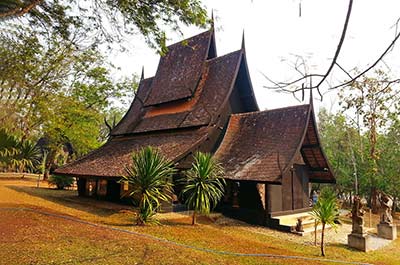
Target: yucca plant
{"x": 150, "y": 180}
{"x": 8, "y": 144}
{"x": 204, "y": 185}
{"x": 16, "y": 154}
{"x": 326, "y": 212}
{"x": 28, "y": 157}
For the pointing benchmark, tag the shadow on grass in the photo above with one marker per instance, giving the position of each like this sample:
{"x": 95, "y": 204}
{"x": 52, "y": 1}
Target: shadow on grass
{"x": 70, "y": 199}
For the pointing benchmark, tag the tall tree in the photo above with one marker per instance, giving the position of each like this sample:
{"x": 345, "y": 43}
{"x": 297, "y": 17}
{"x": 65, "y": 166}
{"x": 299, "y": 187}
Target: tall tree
{"x": 373, "y": 99}
{"x": 52, "y": 89}
{"x": 340, "y": 144}
{"x": 389, "y": 162}
{"x": 107, "y": 21}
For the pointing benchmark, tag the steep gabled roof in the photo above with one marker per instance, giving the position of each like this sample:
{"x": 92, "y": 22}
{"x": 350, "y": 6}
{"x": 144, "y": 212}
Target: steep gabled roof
{"x": 173, "y": 125}
{"x": 214, "y": 88}
{"x": 261, "y": 146}
{"x": 218, "y": 78}
{"x": 179, "y": 71}
{"x": 314, "y": 156}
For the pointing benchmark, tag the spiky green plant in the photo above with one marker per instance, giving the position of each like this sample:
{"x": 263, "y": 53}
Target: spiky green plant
{"x": 204, "y": 184}
{"x": 326, "y": 212}
{"x": 28, "y": 157}
{"x": 16, "y": 154}
{"x": 150, "y": 181}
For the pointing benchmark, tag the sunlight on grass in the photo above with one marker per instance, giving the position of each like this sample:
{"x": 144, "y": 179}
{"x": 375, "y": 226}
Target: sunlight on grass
{"x": 38, "y": 239}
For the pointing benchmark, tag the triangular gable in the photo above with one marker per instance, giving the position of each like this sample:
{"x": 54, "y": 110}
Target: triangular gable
{"x": 313, "y": 154}
{"x": 179, "y": 71}
{"x": 262, "y": 146}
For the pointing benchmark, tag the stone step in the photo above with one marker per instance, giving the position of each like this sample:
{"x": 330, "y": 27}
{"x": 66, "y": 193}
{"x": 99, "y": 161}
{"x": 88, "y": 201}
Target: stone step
{"x": 310, "y": 229}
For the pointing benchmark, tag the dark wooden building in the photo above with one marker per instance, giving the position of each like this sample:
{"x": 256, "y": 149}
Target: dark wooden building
{"x": 199, "y": 101}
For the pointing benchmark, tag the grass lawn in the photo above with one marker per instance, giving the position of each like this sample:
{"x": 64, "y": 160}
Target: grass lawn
{"x": 28, "y": 237}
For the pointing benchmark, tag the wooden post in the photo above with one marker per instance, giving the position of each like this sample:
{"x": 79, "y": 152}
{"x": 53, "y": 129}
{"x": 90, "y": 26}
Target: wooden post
{"x": 38, "y": 181}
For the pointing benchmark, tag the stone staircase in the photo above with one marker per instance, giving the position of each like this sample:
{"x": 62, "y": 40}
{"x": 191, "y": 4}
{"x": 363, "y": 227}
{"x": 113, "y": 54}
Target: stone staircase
{"x": 288, "y": 223}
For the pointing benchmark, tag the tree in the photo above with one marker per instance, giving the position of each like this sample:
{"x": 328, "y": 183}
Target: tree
{"x": 149, "y": 178}
{"x": 51, "y": 89}
{"x": 105, "y": 21}
{"x": 61, "y": 182}
{"x": 326, "y": 212}
{"x": 338, "y": 139}
{"x": 373, "y": 99}
{"x": 389, "y": 162}
{"x": 204, "y": 184}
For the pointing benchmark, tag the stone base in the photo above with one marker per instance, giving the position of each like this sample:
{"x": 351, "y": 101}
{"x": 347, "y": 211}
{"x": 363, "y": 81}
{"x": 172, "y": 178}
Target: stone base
{"x": 360, "y": 242}
{"x": 387, "y": 231}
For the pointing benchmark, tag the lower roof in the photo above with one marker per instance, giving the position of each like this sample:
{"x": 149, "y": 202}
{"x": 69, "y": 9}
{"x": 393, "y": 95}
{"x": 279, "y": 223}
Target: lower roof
{"x": 111, "y": 159}
{"x": 262, "y": 146}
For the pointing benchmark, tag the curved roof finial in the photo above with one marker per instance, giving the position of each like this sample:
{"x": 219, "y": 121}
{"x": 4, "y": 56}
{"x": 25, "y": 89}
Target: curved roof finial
{"x": 243, "y": 42}
{"x": 212, "y": 18}
{"x": 311, "y": 100}
{"x": 142, "y": 75}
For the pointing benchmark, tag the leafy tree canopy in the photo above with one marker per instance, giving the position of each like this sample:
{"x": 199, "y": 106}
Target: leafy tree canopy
{"x": 107, "y": 21}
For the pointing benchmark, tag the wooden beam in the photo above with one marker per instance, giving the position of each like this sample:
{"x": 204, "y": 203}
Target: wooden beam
{"x": 319, "y": 169}
{"x": 310, "y": 146}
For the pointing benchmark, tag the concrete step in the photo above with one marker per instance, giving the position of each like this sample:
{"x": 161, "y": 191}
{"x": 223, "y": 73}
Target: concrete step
{"x": 310, "y": 229}
{"x": 288, "y": 223}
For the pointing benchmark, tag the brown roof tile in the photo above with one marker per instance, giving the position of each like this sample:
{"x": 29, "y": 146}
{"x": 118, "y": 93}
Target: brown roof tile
{"x": 111, "y": 159}
{"x": 220, "y": 74}
{"x": 314, "y": 156}
{"x": 179, "y": 71}
{"x": 259, "y": 145}
{"x": 214, "y": 88}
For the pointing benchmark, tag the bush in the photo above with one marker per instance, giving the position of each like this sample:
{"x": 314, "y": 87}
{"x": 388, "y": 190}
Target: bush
{"x": 61, "y": 182}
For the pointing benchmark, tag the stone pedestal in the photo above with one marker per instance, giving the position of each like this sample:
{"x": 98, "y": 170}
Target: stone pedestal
{"x": 359, "y": 241}
{"x": 387, "y": 231}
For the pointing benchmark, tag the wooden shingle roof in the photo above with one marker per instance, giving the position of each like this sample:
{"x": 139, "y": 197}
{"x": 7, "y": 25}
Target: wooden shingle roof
{"x": 261, "y": 146}
{"x": 165, "y": 115}
{"x": 179, "y": 71}
{"x": 111, "y": 159}
{"x": 214, "y": 88}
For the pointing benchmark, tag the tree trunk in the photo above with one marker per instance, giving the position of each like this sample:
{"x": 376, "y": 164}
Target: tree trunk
{"x": 374, "y": 200}
{"x": 322, "y": 240}
{"x": 394, "y": 206}
{"x": 194, "y": 218}
{"x": 46, "y": 174}
{"x": 49, "y": 163}
{"x": 315, "y": 232}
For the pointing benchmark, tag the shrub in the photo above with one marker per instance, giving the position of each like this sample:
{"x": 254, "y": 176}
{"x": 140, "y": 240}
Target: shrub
{"x": 150, "y": 178}
{"x": 61, "y": 182}
{"x": 204, "y": 185}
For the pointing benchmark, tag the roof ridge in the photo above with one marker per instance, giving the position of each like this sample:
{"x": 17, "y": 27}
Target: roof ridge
{"x": 269, "y": 110}
{"x": 185, "y": 40}
{"x": 223, "y": 56}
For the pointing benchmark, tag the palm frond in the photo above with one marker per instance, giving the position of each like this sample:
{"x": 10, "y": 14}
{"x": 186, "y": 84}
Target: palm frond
{"x": 150, "y": 181}
{"x": 204, "y": 183}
